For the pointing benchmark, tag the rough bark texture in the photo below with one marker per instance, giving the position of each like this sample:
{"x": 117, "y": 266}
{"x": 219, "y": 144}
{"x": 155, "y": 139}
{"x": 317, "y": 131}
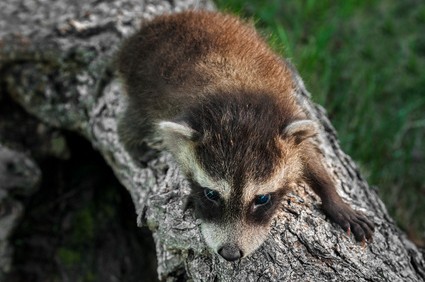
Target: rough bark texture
{"x": 55, "y": 61}
{"x": 19, "y": 176}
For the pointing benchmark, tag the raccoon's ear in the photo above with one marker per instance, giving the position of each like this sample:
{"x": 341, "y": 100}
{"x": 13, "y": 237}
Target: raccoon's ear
{"x": 300, "y": 130}
{"x": 177, "y": 131}
{"x": 179, "y": 138}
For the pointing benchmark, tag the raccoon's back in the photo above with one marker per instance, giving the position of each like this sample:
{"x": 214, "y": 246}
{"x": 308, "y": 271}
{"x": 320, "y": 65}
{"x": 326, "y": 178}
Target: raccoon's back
{"x": 176, "y": 60}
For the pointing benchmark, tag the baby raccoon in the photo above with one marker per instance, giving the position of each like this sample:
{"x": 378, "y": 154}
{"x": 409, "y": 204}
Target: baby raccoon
{"x": 207, "y": 85}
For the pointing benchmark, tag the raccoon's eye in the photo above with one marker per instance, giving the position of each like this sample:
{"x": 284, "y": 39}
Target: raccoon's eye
{"x": 262, "y": 200}
{"x": 211, "y": 195}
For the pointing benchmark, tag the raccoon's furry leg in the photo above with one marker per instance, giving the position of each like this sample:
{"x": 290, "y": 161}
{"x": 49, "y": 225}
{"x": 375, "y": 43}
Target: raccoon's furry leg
{"x": 334, "y": 207}
{"x": 134, "y": 132}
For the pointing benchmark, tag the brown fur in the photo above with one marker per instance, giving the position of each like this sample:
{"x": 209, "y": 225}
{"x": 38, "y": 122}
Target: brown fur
{"x": 232, "y": 113}
{"x": 188, "y": 56}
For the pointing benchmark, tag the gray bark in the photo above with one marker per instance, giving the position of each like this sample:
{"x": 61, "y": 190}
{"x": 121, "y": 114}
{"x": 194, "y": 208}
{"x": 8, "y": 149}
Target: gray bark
{"x": 55, "y": 61}
{"x": 19, "y": 175}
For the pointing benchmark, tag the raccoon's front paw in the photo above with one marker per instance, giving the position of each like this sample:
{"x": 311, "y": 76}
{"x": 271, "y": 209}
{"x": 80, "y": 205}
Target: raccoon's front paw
{"x": 142, "y": 154}
{"x": 351, "y": 221}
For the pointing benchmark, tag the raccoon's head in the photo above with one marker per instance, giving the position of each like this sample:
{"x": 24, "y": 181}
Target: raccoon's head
{"x": 240, "y": 167}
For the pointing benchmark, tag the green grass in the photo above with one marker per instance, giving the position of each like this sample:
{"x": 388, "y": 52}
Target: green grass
{"x": 364, "y": 61}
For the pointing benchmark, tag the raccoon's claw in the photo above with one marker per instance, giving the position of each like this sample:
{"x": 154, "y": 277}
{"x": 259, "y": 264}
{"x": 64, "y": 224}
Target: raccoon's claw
{"x": 351, "y": 221}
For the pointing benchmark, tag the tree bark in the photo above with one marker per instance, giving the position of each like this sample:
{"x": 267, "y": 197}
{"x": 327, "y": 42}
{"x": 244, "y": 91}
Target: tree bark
{"x": 55, "y": 60}
{"x": 19, "y": 176}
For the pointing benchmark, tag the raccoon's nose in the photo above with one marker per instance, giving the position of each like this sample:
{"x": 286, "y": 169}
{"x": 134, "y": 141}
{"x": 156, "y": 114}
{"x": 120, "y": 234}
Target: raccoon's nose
{"x": 230, "y": 252}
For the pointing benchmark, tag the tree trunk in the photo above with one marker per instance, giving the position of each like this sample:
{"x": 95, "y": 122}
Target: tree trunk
{"x": 55, "y": 61}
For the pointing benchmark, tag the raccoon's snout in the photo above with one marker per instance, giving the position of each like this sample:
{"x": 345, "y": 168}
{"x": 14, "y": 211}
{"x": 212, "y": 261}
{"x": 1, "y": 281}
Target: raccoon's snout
{"x": 230, "y": 252}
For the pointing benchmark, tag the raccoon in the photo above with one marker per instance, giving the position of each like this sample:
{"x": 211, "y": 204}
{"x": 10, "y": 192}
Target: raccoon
{"x": 221, "y": 101}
